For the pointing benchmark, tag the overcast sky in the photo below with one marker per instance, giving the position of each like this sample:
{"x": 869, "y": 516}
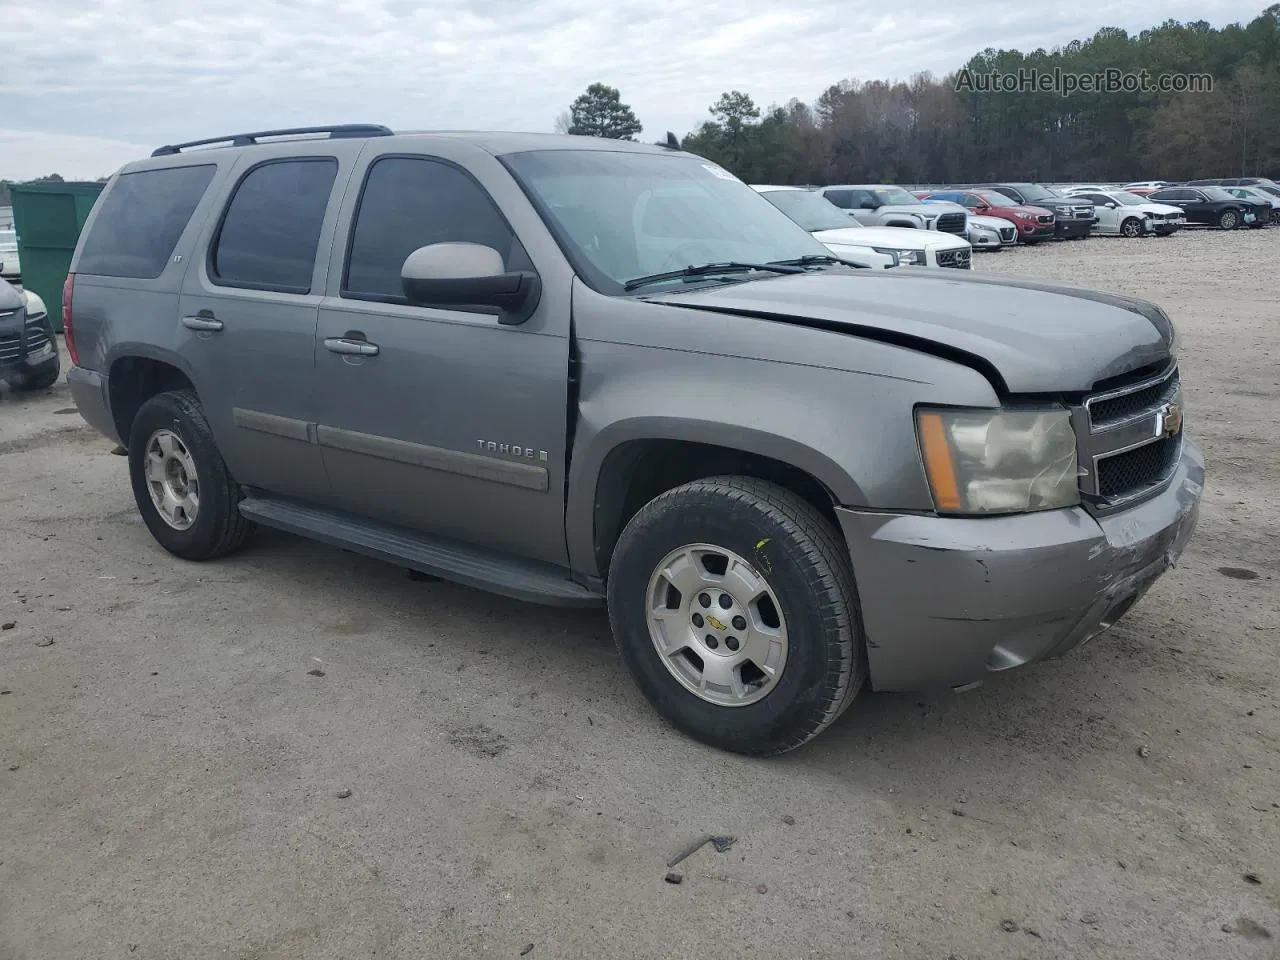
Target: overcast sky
{"x": 89, "y": 84}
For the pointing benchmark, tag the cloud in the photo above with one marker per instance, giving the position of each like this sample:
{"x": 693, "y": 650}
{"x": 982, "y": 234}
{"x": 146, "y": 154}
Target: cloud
{"x": 123, "y": 72}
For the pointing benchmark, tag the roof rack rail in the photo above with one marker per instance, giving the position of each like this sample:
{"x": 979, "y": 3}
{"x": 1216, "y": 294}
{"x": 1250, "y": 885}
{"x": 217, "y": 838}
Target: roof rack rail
{"x": 339, "y": 132}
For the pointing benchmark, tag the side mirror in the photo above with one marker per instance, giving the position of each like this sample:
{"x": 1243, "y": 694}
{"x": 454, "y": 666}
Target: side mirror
{"x": 469, "y": 275}
{"x": 1110, "y": 204}
{"x": 867, "y": 205}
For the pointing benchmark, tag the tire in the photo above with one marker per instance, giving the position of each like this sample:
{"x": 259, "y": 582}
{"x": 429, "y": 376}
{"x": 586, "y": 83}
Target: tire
{"x": 42, "y": 378}
{"x": 1228, "y": 220}
{"x": 217, "y": 527}
{"x": 1131, "y": 227}
{"x": 801, "y": 563}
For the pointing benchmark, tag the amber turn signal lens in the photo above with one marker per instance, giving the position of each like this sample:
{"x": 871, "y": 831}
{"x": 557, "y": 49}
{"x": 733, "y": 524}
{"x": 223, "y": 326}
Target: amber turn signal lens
{"x": 939, "y": 463}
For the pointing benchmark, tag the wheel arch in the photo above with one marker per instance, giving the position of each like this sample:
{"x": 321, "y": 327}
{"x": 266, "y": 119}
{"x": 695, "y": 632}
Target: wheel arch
{"x": 635, "y": 461}
{"x": 135, "y": 374}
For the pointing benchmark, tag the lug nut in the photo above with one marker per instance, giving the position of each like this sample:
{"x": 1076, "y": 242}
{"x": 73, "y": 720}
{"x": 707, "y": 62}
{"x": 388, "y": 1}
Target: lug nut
{"x": 697, "y": 620}
{"x": 732, "y": 643}
{"x": 726, "y": 601}
{"x": 712, "y": 642}
{"x": 739, "y": 623}
{"x": 704, "y": 599}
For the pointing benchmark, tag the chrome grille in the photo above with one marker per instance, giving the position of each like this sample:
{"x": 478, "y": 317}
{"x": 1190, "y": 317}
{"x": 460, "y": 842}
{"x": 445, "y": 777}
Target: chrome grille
{"x": 11, "y": 348}
{"x": 959, "y": 259}
{"x": 1127, "y": 445}
{"x": 951, "y": 222}
{"x": 1109, "y": 409}
{"x": 1138, "y": 469}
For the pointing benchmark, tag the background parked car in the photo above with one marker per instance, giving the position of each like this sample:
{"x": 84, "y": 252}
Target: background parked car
{"x": 1073, "y": 219}
{"x": 836, "y": 230}
{"x": 983, "y": 233}
{"x": 28, "y": 346}
{"x": 1128, "y": 215}
{"x": 1143, "y": 188}
{"x": 1208, "y": 206}
{"x": 881, "y": 205}
{"x": 1255, "y": 195}
{"x": 1034, "y": 224}
{"x": 10, "y": 266}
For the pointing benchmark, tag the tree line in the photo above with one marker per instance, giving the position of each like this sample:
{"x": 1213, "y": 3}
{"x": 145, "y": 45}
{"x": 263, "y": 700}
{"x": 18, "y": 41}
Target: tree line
{"x": 957, "y": 128}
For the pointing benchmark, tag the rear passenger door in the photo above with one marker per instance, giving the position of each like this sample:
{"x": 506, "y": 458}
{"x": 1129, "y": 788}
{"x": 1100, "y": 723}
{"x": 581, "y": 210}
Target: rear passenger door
{"x": 250, "y": 305}
{"x": 441, "y": 419}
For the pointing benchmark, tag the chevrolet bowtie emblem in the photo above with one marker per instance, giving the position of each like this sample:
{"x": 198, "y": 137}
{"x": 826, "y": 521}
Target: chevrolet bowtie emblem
{"x": 716, "y": 624}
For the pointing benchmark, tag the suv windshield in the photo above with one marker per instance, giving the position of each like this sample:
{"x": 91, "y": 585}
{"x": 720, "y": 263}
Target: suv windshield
{"x": 1034, "y": 192}
{"x": 810, "y": 210}
{"x": 996, "y": 199}
{"x": 896, "y": 196}
{"x": 619, "y": 215}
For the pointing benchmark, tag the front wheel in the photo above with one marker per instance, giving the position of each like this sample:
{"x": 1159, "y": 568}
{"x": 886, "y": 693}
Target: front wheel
{"x": 733, "y": 605}
{"x": 187, "y": 497}
{"x": 1132, "y": 227}
{"x": 1228, "y": 220}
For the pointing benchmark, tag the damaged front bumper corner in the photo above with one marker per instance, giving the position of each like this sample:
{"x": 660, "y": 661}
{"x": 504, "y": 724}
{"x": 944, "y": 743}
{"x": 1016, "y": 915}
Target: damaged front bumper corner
{"x": 946, "y": 602}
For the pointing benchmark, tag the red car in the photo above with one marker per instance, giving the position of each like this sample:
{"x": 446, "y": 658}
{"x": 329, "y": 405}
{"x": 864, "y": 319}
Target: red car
{"x": 1034, "y": 223}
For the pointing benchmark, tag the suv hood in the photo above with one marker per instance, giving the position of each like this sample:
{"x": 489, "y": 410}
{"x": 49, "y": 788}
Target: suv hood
{"x": 1021, "y": 210}
{"x": 900, "y": 238}
{"x": 1027, "y": 337}
{"x": 912, "y": 209}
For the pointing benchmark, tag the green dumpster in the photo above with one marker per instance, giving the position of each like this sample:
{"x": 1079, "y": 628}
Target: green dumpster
{"x": 48, "y": 217}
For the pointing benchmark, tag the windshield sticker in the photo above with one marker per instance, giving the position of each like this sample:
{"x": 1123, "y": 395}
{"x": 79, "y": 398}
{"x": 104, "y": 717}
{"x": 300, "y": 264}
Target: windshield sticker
{"x": 720, "y": 172}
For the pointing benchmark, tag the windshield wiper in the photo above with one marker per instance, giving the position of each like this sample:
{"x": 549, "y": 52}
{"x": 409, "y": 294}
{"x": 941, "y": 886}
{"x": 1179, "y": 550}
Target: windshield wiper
{"x": 813, "y": 259}
{"x": 706, "y": 269}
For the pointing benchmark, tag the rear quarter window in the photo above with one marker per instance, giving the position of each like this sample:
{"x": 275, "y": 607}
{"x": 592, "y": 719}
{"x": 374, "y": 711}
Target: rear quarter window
{"x": 142, "y": 215}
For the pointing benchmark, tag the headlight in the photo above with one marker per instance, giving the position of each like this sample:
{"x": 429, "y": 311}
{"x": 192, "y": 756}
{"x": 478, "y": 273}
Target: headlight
{"x": 905, "y": 257}
{"x": 999, "y": 461}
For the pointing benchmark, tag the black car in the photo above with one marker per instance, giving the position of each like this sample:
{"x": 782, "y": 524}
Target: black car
{"x": 1074, "y": 217}
{"x": 28, "y": 345}
{"x": 1214, "y": 207}
{"x": 1261, "y": 184}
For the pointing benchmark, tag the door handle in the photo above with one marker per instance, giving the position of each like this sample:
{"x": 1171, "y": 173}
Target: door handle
{"x": 358, "y": 348}
{"x": 204, "y": 320}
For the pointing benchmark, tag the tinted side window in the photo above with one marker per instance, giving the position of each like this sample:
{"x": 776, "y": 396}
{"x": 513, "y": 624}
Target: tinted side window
{"x": 841, "y": 198}
{"x": 142, "y": 216}
{"x": 409, "y": 203}
{"x": 271, "y": 228}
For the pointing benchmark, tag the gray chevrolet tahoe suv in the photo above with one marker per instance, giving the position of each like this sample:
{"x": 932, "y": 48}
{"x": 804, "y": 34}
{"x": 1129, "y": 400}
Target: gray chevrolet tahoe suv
{"x": 581, "y": 371}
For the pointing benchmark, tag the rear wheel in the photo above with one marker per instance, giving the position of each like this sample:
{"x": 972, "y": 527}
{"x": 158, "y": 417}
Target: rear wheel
{"x": 1131, "y": 227}
{"x": 187, "y": 497}
{"x": 1228, "y": 220}
{"x": 733, "y": 605}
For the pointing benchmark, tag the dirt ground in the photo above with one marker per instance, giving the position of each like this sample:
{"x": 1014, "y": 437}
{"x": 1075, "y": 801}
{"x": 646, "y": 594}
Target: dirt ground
{"x": 174, "y": 764}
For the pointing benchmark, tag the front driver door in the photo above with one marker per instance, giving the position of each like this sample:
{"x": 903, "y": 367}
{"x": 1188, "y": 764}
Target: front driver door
{"x": 442, "y": 420}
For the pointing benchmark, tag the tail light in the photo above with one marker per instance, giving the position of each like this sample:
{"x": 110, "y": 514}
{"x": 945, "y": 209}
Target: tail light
{"x": 68, "y": 330}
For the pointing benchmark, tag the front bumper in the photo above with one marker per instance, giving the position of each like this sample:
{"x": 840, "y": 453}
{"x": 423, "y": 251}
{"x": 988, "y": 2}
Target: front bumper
{"x": 946, "y": 602}
{"x": 1066, "y": 229}
{"x": 92, "y": 398}
{"x": 1033, "y": 232}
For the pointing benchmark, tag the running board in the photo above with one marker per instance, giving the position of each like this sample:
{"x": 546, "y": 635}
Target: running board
{"x": 520, "y": 579}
